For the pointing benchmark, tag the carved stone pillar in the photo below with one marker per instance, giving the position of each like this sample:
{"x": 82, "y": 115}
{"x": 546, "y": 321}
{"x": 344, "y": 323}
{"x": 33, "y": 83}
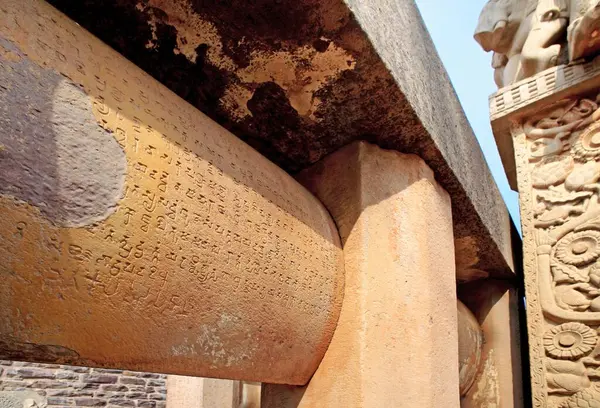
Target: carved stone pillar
{"x": 552, "y": 120}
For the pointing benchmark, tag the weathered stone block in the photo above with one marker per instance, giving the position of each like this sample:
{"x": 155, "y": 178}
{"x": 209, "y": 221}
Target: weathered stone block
{"x": 101, "y": 378}
{"x": 499, "y": 382}
{"x": 60, "y": 401}
{"x": 46, "y": 384}
{"x": 137, "y": 233}
{"x": 470, "y": 344}
{"x": 157, "y": 396}
{"x": 90, "y": 402}
{"x": 34, "y": 373}
{"x": 396, "y": 344}
{"x": 113, "y": 388}
{"x": 132, "y": 381}
{"x": 65, "y": 375}
{"x": 122, "y": 402}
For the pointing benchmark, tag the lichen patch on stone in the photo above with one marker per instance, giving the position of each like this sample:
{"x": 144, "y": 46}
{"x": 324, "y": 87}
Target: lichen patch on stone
{"x": 300, "y": 71}
{"x": 192, "y": 31}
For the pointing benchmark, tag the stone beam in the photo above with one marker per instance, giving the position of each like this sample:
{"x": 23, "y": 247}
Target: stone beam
{"x": 137, "y": 233}
{"x": 299, "y": 79}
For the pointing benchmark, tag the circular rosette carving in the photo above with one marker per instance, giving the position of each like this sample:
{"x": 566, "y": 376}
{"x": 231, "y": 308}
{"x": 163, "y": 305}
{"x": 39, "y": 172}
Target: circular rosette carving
{"x": 579, "y": 248}
{"x": 583, "y": 399}
{"x": 551, "y": 171}
{"x": 587, "y": 146}
{"x": 570, "y": 341}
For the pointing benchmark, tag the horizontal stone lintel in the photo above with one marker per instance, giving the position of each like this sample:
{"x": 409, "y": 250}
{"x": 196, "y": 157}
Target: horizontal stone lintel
{"x": 299, "y": 79}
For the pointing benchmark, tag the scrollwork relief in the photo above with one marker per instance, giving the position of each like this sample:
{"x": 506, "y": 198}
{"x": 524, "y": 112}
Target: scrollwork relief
{"x": 563, "y": 162}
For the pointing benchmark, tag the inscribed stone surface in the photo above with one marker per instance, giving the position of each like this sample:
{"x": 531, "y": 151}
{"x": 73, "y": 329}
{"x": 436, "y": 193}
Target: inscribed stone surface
{"x": 136, "y": 233}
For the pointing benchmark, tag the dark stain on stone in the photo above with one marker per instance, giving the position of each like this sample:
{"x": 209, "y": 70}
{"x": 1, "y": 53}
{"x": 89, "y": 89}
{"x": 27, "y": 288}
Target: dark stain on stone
{"x": 322, "y": 45}
{"x": 127, "y": 30}
{"x": 42, "y": 353}
{"x": 273, "y": 115}
{"x": 295, "y": 24}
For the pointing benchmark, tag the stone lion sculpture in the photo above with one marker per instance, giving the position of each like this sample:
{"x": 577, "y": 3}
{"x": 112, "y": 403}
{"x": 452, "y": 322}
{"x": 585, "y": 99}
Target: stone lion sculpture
{"x": 528, "y": 36}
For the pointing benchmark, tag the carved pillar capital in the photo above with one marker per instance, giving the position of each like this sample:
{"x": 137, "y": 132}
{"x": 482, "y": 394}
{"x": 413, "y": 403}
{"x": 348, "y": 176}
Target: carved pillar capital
{"x": 528, "y": 37}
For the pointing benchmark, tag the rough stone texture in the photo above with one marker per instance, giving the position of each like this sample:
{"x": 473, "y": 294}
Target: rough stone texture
{"x": 21, "y": 399}
{"x": 300, "y": 79}
{"x": 555, "y": 138}
{"x": 470, "y": 344}
{"x": 251, "y": 395}
{"x": 68, "y": 386}
{"x": 396, "y": 343}
{"x": 221, "y": 393}
{"x": 75, "y": 171}
{"x": 197, "y": 392}
{"x": 499, "y": 382}
{"x": 215, "y": 261}
{"x": 186, "y": 392}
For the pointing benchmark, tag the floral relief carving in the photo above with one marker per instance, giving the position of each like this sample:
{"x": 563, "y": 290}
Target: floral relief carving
{"x": 570, "y": 341}
{"x": 563, "y": 172}
{"x": 588, "y": 144}
{"x": 579, "y": 248}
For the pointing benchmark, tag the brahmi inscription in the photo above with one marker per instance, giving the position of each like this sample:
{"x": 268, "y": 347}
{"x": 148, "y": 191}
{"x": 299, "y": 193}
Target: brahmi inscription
{"x": 214, "y": 263}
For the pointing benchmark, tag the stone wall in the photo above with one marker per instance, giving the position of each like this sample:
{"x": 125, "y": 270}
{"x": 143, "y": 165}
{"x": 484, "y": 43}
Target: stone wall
{"x": 69, "y": 386}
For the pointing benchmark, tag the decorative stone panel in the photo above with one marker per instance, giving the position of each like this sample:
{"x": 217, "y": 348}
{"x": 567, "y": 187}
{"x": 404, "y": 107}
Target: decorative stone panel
{"x": 556, "y": 141}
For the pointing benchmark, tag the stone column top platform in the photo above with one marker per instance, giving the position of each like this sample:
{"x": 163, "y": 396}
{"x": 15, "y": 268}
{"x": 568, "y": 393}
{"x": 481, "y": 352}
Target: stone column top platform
{"x": 521, "y": 99}
{"x": 300, "y": 79}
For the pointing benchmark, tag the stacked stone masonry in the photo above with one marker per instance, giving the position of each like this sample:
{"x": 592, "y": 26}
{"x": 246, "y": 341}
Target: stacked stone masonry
{"x": 70, "y": 386}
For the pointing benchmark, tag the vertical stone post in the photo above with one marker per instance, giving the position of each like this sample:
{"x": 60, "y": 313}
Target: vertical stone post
{"x": 199, "y": 392}
{"x": 185, "y": 392}
{"x": 551, "y": 121}
{"x": 499, "y": 381}
{"x": 396, "y": 341}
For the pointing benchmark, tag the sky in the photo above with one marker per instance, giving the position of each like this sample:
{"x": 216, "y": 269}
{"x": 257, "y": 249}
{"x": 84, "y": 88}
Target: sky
{"x": 451, "y": 25}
